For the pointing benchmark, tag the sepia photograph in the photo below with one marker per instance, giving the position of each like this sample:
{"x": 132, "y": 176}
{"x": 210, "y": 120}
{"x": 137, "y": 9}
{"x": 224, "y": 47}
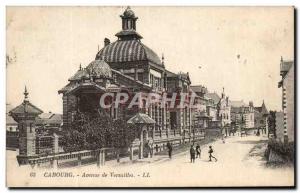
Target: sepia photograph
{"x": 150, "y": 96}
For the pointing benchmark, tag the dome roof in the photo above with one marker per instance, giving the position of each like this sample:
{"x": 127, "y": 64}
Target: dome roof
{"x": 99, "y": 68}
{"x": 127, "y": 51}
{"x": 128, "y": 13}
{"x": 81, "y": 73}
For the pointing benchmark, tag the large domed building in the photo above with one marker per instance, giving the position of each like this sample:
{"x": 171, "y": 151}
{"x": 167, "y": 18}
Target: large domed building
{"x": 127, "y": 65}
{"x": 130, "y": 56}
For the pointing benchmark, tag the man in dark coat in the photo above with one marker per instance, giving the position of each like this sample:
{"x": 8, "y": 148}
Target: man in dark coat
{"x": 192, "y": 152}
{"x": 198, "y": 151}
{"x": 170, "y": 148}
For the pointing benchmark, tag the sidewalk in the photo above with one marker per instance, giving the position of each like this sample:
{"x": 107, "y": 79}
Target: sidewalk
{"x": 161, "y": 156}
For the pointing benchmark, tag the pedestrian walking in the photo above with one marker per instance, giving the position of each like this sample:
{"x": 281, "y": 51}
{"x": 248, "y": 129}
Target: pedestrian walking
{"x": 210, "y": 151}
{"x": 223, "y": 139}
{"x": 170, "y": 148}
{"x": 192, "y": 152}
{"x": 198, "y": 151}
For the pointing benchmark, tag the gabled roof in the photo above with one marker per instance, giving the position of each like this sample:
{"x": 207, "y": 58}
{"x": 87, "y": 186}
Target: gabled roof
{"x": 214, "y": 96}
{"x": 262, "y": 109}
{"x": 49, "y": 119}
{"x": 54, "y": 119}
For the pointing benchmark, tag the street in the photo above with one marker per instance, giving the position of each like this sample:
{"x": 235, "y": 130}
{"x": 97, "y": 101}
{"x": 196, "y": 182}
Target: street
{"x": 240, "y": 163}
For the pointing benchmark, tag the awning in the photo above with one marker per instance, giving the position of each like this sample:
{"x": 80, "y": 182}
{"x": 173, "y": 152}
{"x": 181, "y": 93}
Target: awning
{"x": 141, "y": 118}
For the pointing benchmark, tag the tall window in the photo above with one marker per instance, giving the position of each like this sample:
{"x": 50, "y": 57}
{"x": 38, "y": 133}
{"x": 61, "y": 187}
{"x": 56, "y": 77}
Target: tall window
{"x": 30, "y": 127}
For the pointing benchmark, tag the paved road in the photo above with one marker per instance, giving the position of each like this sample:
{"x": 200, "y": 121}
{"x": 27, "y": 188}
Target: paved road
{"x": 240, "y": 163}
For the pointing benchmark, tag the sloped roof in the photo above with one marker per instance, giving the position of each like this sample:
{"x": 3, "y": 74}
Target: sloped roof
{"x": 262, "y": 109}
{"x": 214, "y": 96}
{"x": 81, "y": 73}
{"x": 26, "y": 107}
{"x": 9, "y": 107}
{"x": 46, "y": 115}
{"x": 141, "y": 118}
{"x": 54, "y": 119}
{"x": 199, "y": 88}
{"x": 10, "y": 120}
{"x": 238, "y": 103}
{"x": 49, "y": 118}
{"x": 170, "y": 74}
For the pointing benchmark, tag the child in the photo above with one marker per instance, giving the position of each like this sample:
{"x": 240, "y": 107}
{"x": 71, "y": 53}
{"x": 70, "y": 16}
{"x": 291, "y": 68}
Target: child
{"x": 210, "y": 151}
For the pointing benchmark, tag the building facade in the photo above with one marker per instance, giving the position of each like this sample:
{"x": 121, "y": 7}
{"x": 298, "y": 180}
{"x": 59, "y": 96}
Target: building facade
{"x": 287, "y": 86}
{"x": 261, "y": 118}
{"x": 242, "y": 115}
{"x": 218, "y": 109}
{"x": 279, "y": 126}
{"x": 129, "y": 66}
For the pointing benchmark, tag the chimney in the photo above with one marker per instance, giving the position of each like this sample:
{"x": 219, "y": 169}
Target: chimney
{"x": 106, "y": 41}
{"x": 251, "y": 104}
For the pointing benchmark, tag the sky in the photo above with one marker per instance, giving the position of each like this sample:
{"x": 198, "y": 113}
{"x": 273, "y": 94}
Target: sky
{"x": 238, "y": 48}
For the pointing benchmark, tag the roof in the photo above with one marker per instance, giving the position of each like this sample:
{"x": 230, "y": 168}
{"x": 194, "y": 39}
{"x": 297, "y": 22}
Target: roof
{"x": 285, "y": 66}
{"x": 127, "y": 51}
{"x": 128, "y": 13}
{"x": 98, "y": 68}
{"x": 141, "y": 118}
{"x": 184, "y": 75}
{"x": 10, "y": 120}
{"x": 85, "y": 85}
{"x": 49, "y": 119}
{"x": 235, "y": 110}
{"x": 170, "y": 74}
{"x": 238, "y": 103}
{"x": 9, "y": 107}
{"x": 262, "y": 109}
{"x": 214, "y": 96}
{"x": 129, "y": 33}
{"x": 81, "y": 73}
{"x": 54, "y": 119}
{"x": 199, "y": 88}
{"x": 26, "y": 107}
{"x": 46, "y": 115}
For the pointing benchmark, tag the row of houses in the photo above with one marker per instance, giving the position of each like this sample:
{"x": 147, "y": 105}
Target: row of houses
{"x": 231, "y": 116}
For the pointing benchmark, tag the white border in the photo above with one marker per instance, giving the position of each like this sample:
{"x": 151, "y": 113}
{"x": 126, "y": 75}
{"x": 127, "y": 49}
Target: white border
{"x": 5, "y": 3}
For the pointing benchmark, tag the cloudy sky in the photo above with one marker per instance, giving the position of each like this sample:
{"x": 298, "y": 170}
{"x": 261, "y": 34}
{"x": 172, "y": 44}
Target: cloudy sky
{"x": 236, "y": 48}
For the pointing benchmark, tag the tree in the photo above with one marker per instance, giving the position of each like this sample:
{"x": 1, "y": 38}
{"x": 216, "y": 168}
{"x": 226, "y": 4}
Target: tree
{"x": 95, "y": 130}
